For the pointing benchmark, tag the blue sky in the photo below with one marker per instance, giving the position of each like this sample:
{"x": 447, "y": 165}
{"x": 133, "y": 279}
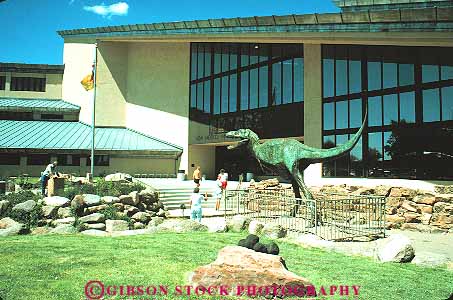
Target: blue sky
{"x": 29, "y": 27}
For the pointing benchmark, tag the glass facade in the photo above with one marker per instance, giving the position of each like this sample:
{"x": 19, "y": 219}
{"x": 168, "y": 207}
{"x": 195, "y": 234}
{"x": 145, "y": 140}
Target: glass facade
{"x": 409, "y": 95}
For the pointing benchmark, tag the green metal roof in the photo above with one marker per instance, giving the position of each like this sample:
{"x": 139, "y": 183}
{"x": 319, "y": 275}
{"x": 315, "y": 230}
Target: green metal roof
{"x": 24, "y": 104}
{"x": 57, "y": 136}
{"x": 31, "y": 68}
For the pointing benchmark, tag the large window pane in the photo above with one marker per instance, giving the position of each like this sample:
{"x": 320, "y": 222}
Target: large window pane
{"x": 374, "y": 76}
{"x": 447, "y": 103}
{"x": 341, "y": 72}
{"x": 253, "y": 88}
{"x": 263, "y": 101}
{"x": 288, "y": 81}
{"x": 328, "y": 168}
{"x": 233, "y": 92}
{"x": 407, "y": 107}
{"x": 390, "y": 75}
{"x": 355, "y": 76}
{"x": 244, "y": 90}
{"x": 431, "y": 105}
{"x": 298, "y": 79}
{"x": 342, "y": 163}
{"x": 193, "y": 95}
{"x": 263, "y": 53}
{"x": 200, "y": 96}
{"x": 329, "y": 116}
{"x": 254, "y": 50}
{"x": 277, "y": 83}
{"x": 406, "y": 75}
{"x": 225, "y": 89}
{"x": 390, "y": 109}
{"x": 233, "y": 57}
{"x": 207, "y": 96}
{"x": 225, "y": 59}
{"x": 193, "y": 69}
{"x": 200, "y": 60}
{"x": 207, "y": 61}
{"x": 446, "y": 72}
{"x": 430, "y": 73}
{"x": 355, "y": 113}
{"x": 217, "y": 59}
{"x": 341, "y": 115}
{"x": 356, "y": 159}
{"x": 217, "y": 96}
{"x": 328, "y": 77}
{"x": 375, "y": 111}
{"x": 387, "y": 136}
{"x": 374, "y": 147}
{"x": 245, "y": 55}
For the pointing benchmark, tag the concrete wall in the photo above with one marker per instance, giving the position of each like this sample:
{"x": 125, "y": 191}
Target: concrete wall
{"x": 203, "y": 156}
{"x": 53, "y": 86}
{"x": 158, "y": 92}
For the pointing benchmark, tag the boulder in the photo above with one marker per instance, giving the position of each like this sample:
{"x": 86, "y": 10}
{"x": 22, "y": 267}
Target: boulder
{"x": 116, "y": 225}
{"x": 148, "y": 196}
{"x": 56, "y": 201}
{"x": 237, "y": 267}
{"x": 155, "y": 221}
{"x": 180, "y": 226}
{"x": 364, "y": 191}
{"x": 130, "y": 232}
{"x": 161, "y": 213}
{"x": 110, "y": 199}
{"x": 430, "y": 259}
{"x": 238, "y": 223}
{"x": 426, "y": 218}
{"x": 395, "y": 219}
{"x": 130, "y": 210}
{"x": 128, "y": 200}
{"x": 64, "y": 212}
{"x": 78, "y": 205}
{"x": 423, "y": 208}
{"x": 412, "y": 217}
{"x": 91, "y": 200}
{"x": 97, "y": 208}
{"x": 135, "y": 197}
{"x": 26, "y": 206}
{"x": 409, "y": 206}
{"x": 4, "y": 204}
{"x": 272, "y": 248}
{"x": 382, "y": 190}
{"x": 68, "y": 220}
{"x": 9, "y": 227}
{"x": 142, "y": 217}
{"x": 427, "y": 199}
{"x": 274, "y": 231}
{"x": 397, "y": 249}
{"x": 444, "y": 220}
{"x": 138, "y": 225}
{"x": 443, "y": 207}
{"x": 394, "y": 201}
{"x": 94, "y": 232}
{"x": 259, "y": 247}
{"x": 40, "y": 230}
{"x": 64, "y": 229}
{"x": 88, "y": 226}
{"x": 256, "y": 227}
{"x": 49, "y": 211}
{"x": 444, "y": 198}
{"x": 402, "y": 192}
{"x": 219, "y": 226}
{"x": 119, "y": 177}
{"x": 93, "y": 218}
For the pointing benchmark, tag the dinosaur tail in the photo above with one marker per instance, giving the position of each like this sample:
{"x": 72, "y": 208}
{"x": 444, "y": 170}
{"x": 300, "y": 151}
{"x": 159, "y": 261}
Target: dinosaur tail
{"x": 338, "y": 151}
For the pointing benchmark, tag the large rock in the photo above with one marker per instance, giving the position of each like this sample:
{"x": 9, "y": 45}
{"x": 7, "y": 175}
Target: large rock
{"x": 96, "y": 208}
{"x": 56, "y": 201}
{"x": 130, "y": 210}
{"x": 93, "y": 218}
{"x": 238, "y": 267}
{"x": 443, "y": 207}
{"x": 430, "y": 259}
{"x": 68, "y": 220}
{"x": 444, "y": 220}
{"x": 10, "y": 227}
{"x": 78, "y": 205}
{"x": 128, "y": 200}
{"x": 26, "y": 206}
{"x": 135, "y": 197}
{"x": 148, "y": 196}
{"x": 256, "y": 227}
{"x": 64, "y": 212}
{"x": 64, "y": 229}
{"x": 94, "y": 232}
{"x": 427, "y": 199}
{"x": 397, "y": 249}
{"x": 142, "y": 217}
{"x": 110, "y": 199}
{"x": 409, "y": 206}
{"x": 91, "y": 200}
{"x": 118, "y": 177}
{"x": 274, "y": 231}
{"x": 155, "y": 221}
{"x": 116, "y": 225}
{"x": 138, "y": 225}
{"x": 4, "y": 204}
{"x": 49, "y": 211}
{"x": 218, "y": 226}
{"x": 402, "y": 192}
{"x": 97, "y": 226}
{"x": 179, "y": 226}
{"x": 238, "y": 223}
{"x": 444, "y": 198}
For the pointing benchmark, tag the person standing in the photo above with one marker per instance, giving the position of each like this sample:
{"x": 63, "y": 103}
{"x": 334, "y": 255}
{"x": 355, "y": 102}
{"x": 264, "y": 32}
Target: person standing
{"x": 223, "y": 178}
{"x": 218, "y": 193}
{"x": 48, "y": 173}
{"x": 195, "y": 205}
{"x": 197, "y": 176}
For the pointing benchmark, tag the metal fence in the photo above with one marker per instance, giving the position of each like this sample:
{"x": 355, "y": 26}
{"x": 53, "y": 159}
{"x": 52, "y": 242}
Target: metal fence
{"x": 329, "y": 216}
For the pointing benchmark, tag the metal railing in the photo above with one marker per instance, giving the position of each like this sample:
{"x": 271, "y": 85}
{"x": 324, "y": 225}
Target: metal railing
{"x": 329, "y": 216}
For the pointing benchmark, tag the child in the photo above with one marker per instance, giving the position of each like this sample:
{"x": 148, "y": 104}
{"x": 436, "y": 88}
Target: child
{"x": 218, "y": 193}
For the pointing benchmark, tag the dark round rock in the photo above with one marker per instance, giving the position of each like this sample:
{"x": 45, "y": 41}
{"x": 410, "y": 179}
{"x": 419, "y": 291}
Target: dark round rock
{"x": 252, "y": 240}
{"x": 242, "y": 243}
{"x": 260, "y": 248}
{"x": 272, "y": 248}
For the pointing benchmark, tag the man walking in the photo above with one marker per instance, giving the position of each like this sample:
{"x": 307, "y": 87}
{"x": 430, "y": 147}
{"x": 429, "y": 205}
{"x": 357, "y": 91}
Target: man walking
{"x": 197, "y": 176}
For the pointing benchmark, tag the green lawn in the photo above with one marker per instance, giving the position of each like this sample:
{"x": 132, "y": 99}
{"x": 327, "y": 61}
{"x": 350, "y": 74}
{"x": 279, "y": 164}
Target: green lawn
{"x": 58, "y": 267}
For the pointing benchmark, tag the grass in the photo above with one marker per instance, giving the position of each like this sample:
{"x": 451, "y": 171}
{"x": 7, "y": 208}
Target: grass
{"x": 58, "y": 267}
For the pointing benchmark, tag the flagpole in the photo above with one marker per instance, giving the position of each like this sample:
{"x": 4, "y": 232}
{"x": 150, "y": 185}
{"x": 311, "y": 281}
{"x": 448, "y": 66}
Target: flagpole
{"x": 93, "y": 116}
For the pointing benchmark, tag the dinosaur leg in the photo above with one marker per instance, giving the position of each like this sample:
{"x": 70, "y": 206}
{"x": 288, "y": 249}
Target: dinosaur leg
{"x": 299, "y": 177}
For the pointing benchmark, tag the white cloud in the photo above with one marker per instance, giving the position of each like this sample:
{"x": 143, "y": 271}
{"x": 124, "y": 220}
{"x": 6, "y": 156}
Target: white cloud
{"x": 117, "y": 9}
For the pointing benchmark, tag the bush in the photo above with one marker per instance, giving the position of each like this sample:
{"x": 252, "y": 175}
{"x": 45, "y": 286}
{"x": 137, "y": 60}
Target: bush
{"x": 103, "y": 188}
{"x": 30, "y": 219}
{"x": 111, "y": 213}
{"x": 16, "y": 198}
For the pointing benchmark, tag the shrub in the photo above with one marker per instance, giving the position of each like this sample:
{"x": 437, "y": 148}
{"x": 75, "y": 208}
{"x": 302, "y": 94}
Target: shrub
{"x": 103, "y": 188}
{"x": 30, "y": 219}
{"x": 16, "y": 198}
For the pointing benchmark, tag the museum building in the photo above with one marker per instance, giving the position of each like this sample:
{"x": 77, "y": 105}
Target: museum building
{"x": 311, "y": 77}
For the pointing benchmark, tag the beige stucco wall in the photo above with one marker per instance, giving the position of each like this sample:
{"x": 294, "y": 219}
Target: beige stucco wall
{"x": 78, "y": 60}
{"x": 203, "y": 156}
{"x": 53, "y": 86}
{"x": 158, "y": 92}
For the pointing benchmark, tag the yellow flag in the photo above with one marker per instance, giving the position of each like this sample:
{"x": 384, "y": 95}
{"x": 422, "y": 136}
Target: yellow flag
{"x": 88, "y": 82}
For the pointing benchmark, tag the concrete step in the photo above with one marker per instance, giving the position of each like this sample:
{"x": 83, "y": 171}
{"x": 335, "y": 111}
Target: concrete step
{"x": 172, "y": 198}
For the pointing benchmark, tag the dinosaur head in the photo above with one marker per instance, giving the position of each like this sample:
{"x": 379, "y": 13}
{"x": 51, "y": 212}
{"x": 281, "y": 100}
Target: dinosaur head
{"x": 246, "y": 135}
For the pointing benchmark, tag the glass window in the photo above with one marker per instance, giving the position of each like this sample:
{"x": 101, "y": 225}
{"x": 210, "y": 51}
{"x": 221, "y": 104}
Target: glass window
{"x": 298, "y": 79}
{"x": 374, "y": 75}
{"x": 207, "y": 96}
{"x": 341, "y": 72}
{"x": 200, "y": 96}
{"x": 355, "y": 113}
{"x": 341, "y": 115}
{"x": 277, "y": 83}
{"x": 38, "y": 159}
{"x": 224, "y": 105}
{"x": 375, "y": 111}
{"x": 406, "y": 74}
{"x": 387, "y": 136}
{"x": 328, "y": 116}
{"x": 328, "y": 77}
{"x": 193, "y": 69}
{"x": 288, "y": 81}
{"x": 263, "y": 101}
{"x": 356, "y": 160}
{"x": 342, "y": 163}
{"x": 253, "y": 88}
{"x": 217, "y": 59}
{"x": 233, "y": 57}
{"x": 200, "y": 61}
{"x": 9, "y": 159}
{"x": 446, "y": 72}
{"x": 193, "y": 95}
{"x": 245, "y": 90}
{"x": 447, "y": 103}
{"x": 355, "y": 76}
{"x": 225, "y": 59}
{"x": 407, "y": 107}
{"x": 356, "y": 152}
{"x": 430, "y": 73}
{"x": 207, "y": 61}
{"x": 217, "y": 96}
{"x": 244, "y": 55}
{"x": 328, "y": 141}
{"x": 263, "y": 52}
{"x": 390, "y": 75}
{"x": 254, "y": 50}
{"x": 375, "y": 146}
{"x": 233, "y": 92}
{"x": 431, "y": 105}
{"x": 390, "y": 109}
